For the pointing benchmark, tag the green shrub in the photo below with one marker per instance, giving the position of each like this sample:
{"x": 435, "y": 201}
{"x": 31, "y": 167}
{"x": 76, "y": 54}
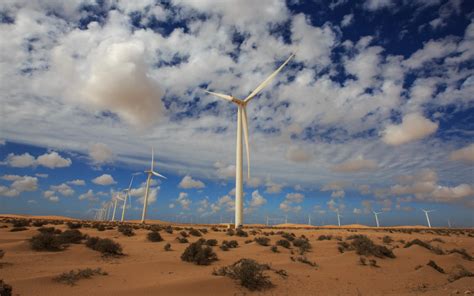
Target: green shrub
{"x": 105, "y": 246}
{"x": 71, "y": 236}
{"x": 249, "y": 274}
{"x": 198, "y": 254}
{"x": 154, "y": 236}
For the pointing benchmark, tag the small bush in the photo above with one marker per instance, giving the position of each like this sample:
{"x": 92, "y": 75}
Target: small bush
{"x": 46, "y": 242}
{"x": 306, "y": 261}
{"x": 184, "y": 233}
{"x": 303, "y": 245}
{"x": 126, "y": 230}
{"x": 71, "y": 236}
{"x": 21, "y": 223}
{"x": 230, "y": 232}
{"x": 16, "y": 229}
{"x": 5, "y": 289}
{"x": 49, "y": 230}
{"x": 283, "y": 243}
{"x": 263, "y": 241}
{"x": 169, "y": 229}
{"x": 425, "y": 245}
{"x": 387, "y": 239}
{"x": 38, "y": 223}
{"x": 2, "y": 253}
{"x": 463, "y": 252}
{"x": 459, "y": 273}
{"x": 373, "y": 263}
{"x": 71, "y": 277}
{"x": 211, "y": 242}
{"x": 154, "y": 236}
{"x": 195, "y": 232}
{"x": 230, "y": 244}
{"x": 249, "y": 274}
{"x": 324, "y": 237}
{"x": 224, "y": 247}
{"x": 182, "y": 240}
{"x": 203, "y": 230}
{"x": 288, "y": 236}
{"x": 435, "y": 266}
{"x": 365, "y": 246}
{"x": 274, "y": 249}
{"x": 437, "y": 239}
{"x": 198, "y": 254}
{"x": 105, "y": 246}
{"x": 240, "y": 232}
{"x": 73, "y": 225}
{"x": 362, "y": 260}
{"x": 167, "y": 247}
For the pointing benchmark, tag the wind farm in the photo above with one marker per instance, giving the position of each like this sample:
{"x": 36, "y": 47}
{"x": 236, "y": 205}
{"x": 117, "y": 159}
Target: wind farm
{"x": 236, "y": 147}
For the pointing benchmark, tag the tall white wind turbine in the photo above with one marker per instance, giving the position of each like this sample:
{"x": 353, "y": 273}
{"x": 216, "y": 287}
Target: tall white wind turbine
{"x": 338, "y": 217}
{"x": 150, "y": 173}
{"x": 127, "y": 196}
{"x": 115, "y": 199}
{"x": 242, "y": 123}
{"x": 427, "y": 216}
{"x": 376, "y": 214}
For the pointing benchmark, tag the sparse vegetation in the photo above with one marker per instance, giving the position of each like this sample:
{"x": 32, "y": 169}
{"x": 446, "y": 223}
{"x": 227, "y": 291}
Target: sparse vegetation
{"x": 46, "y": 242}
{"x": 198, "y": 254}
{"x": 240, "y": 232}
{"x": 274, "y": 249}
{"x": 71, "y": 277}
{"x": 184, "y": 234}
{"x": 230, "y": 232}
{"x": 154, "y": 236}
{"x": 230, "y": 244}
{"x": 387, "y": 240}
{"x": 211, "y": 242}
{"x": 249, "y": 274}
{"x": 73, "y": 225}
{"x": 463, "y": 253}
{"x": 169, "y": 229}
{"x": 305, "y": 260}
{"x": 459, "y": 273}
{"x": 195, "y": 232}
{"x": 425, "y": 245}
{"x": 5, "y": 289}
{"x": 433, "y": 264}
{"x": 71, "y": 236}
{"x": 365, "y": 246}
{"x": 283, "y": 243}
{"x": 16, "y": 229}
{"x": 126, "y": 230}
{"x": 303, "y": 244}
{"x": 167, "y": 247}
{"x": 105, "y": 246}
{"x": 263, "y": 241}
{"x": 362, "y": 260}
{"x": 325, "y": 237}
{"x": 182, "y": 240}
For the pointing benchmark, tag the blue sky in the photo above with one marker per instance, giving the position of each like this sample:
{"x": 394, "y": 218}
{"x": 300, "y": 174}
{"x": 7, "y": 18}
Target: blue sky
{"x": 375, "y": 112}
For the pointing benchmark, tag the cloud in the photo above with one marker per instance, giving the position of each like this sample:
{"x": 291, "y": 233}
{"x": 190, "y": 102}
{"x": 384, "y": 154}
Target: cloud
{"x": 298, "y": 154}
{"x": 183, "y": 200}
{"x": 8, "y": 192}
{"x": 89, "y": 195}
{"x": 24, "y": 183}
{"x": 374, "y": 5}
{"x": 53, "y": 160}
{"x": 100, "y": 153}
{"x": 357, "y": 211}
{"x": 188, "y": 182}
{"x": 338, "y": 193}
{"x": 20, "y": 161}
{"x": 50, "y": 160}
{"x": 50, "y": 195}
{"x": 253, "y": 182}
{"x": 77, "y": 182}
{"x": 288, "y": 205}
{"x": 140, "y": 193}
{"x": 465, "y": 154}
{"x": 224, "y": 171}
{"x": 355, "y": 165}
{"x": 41, "y": 175}
{"x": 104, "y": 179}
{"x": 413, "y": 127}
{"x": 335, "y": 185}
{"x": 294, "y": 197}
{"x": 347, "y": 20}
{"x": 257, "y": 200}
{"x": 64, "y": 189}
{"x": 272, "y": 187}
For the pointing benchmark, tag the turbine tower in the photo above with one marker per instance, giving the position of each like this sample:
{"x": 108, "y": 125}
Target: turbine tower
{"x": 150, "y": 173}
{"x": 127, "y": 196}
{"x": 376, "y": 214}
{"x": 427, "y": 216}
{"x": 309, "y": 219}
{"x": 338, "y": 217}
{"x": 242, "y": 124}
{"x": 116, "y": 199}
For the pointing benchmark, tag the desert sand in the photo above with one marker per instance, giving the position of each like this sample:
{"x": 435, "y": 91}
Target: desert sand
{"x": 147, "y": 269}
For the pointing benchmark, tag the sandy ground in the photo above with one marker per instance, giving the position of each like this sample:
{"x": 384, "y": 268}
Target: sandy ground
{"x": 149, "y": 270}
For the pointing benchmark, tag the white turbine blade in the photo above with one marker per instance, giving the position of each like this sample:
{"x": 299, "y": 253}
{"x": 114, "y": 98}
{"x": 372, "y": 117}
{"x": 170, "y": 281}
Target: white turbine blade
{"x": 266, "y": 81}
{"x": 246, "y": 139}
{"x": 152, "y": 156}
{"x": 225, "y": 97}
{"x": 131, "y": 181}
{"x": 158, "y": 175}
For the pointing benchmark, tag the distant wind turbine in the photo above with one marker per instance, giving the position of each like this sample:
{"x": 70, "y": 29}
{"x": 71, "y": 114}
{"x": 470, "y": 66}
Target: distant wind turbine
{"x": 150, "y": 173}
{"x": 338, "y": 217}
{"x": 127, "y": 196}
{"x": 427, "y": 216}
{"x": 309, "y": 219}
{"x": 242, "y": 123}
{"x": 376, "y": 214}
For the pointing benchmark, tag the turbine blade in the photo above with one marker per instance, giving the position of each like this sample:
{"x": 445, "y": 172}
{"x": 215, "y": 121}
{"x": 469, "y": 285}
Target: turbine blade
{"x": 158, "y": 175}
{"x": 266, "y": 81}
{"x": 131, "y": 181}
{"x": 246, "y": 139}
{"x": 225, "y": 97}
{"x": 152, "y": 156}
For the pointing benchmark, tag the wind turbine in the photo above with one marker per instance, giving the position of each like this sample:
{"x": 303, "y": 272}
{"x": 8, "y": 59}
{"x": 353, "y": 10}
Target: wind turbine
{"x": 338, "y": 217}
{"x": 242, "y": 124}
{"x": 376, "y": 214}
{"x": 115, "y": 200}
{"x": 150, "y": 173}
{"x": 309, "y": 219}
{"x": 427, "y": 216}
{"x": 127, "y": 196}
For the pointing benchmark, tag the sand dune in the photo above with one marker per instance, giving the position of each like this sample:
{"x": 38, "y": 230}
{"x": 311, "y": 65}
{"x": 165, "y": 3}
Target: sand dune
{"x": 147, "y": 269}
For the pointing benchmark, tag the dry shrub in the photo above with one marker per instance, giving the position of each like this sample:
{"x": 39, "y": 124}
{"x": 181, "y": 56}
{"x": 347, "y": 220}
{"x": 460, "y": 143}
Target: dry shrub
{"x": 154, "y": 236}
{"x": 249, "y": 274}
{"x": 425, "y": 245}
{"x": 263, "y": 241}
{"x": 459, "y": 272}
{"x": 198, "y": 254}
{"x": 71, "y": 277}
{"x": 105, "y": 246}
{"x": 433, "y": 264}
